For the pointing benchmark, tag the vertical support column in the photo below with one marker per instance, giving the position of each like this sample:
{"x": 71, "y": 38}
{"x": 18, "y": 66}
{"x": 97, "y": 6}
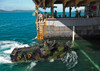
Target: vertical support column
{"x": 73, "y": 36}
{"x": 97, "y": 9}
{"x": 70, "y": 11}
{"x": 52, "y": 11}
{"x": 37, "y": 24}
{"x": 63, "y": 11}
{"x": 52, "y": 3}
{"x": 43, "y": 3}
{"x": 85, "y": 10}
{"x": 36, "y": 10}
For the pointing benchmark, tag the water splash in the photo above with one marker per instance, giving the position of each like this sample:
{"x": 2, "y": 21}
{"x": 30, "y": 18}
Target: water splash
{"x": 5, "y": 59}
{"x": 34, "y": 38}
{"x": 34, "y": 13}
{"x": 70, "y": 59}
{"x": 52, "y": 60}
{"x": 9, "y": 44}
{"x": 9, "y": 51}
{"x": 6, "y": 47}
{"x": 32, "y": 65}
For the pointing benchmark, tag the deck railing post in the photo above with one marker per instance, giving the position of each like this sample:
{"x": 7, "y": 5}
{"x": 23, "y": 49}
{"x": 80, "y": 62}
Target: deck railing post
{"x": 52, "y": 11}
{"x": 97, "y": 9}
{"x": 70, "y": 11}
{"x": 63, "y": 11}
{"x": 36, "y": 10}
{"x": 73, "y": 35}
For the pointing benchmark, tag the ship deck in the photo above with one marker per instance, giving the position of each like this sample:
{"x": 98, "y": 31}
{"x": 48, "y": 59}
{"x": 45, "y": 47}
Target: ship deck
{"x": 74, "y": 21}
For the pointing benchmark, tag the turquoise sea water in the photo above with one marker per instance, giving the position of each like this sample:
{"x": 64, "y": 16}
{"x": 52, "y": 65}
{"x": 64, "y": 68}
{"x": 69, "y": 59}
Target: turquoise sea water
{"x": 19, "y": 30}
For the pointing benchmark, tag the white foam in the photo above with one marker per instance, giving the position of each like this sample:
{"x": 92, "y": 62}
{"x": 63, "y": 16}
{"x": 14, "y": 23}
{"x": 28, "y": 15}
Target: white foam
{"x": 35, "y": 38}
{"x": 70, "y": 59}
{"x": 33, "y": 42}
{"x": 52, "y": 60}
{"x": 4, "y": 60}
{"x": 33, "y": 64}
{"x": 9, "y": 44}
{"x": 9, "y": 51}
{"x": 7, "y": 47}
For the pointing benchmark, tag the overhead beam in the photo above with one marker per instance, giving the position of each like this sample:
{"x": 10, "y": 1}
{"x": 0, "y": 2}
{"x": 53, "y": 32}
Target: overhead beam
{"x": 64, "y": 5}
{"x": 36, "y": 10}
{"x": 99, "y": 2}
{"x": 65, "y": 1}
{"x": 70, "y": 3}
{"x": 52, "y": 6}
{"x": 89, "y": 1}
{"x": 52, "y": 2}
{"x": 43, "y": 3}
{"x": 39, "y": 0}
{"x": 70, "y": 11}
{"x": 77, "y": 2}
{"x": 63, "y": 11}
{"x": 40, "y": 4}
{"x": 35, "y": 2}
{"x": 46, "y": 3}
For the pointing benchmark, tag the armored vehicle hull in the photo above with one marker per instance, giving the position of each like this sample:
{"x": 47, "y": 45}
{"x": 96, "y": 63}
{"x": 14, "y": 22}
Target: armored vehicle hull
{"x": 46, "y": 51}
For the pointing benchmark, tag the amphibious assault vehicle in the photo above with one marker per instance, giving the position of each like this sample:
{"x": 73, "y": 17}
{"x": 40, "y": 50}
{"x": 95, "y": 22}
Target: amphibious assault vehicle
{"x": 47, "y": 50}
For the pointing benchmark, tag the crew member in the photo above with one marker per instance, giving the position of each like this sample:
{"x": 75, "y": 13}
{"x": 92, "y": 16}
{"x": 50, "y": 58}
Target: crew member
{"x": 55, "y": 14}
{"x": 76, "y": 13}
{"x": 40, "y": 16}
{"x": 44, "y": 15}
{"x": 79, "y": 13}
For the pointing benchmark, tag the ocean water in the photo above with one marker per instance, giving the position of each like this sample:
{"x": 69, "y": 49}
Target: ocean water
{"x": 19, "y": 29}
